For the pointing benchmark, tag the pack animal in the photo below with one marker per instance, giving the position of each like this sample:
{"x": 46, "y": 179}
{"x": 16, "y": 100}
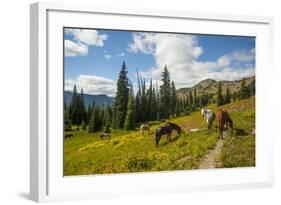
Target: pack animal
{"x": 105, "y": 135}
{"x": 224, "y": 120}
{"x": 166, "y": 130}
{"x": 144, "y": 127}
{"x": 209, "y": 116}
{"x": 68, "y": 135}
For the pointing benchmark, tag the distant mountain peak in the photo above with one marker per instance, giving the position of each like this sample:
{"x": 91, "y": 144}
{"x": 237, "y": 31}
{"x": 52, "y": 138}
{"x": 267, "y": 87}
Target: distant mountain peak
{"x": 205, "y": 83}
{"x": 210, "y": 86}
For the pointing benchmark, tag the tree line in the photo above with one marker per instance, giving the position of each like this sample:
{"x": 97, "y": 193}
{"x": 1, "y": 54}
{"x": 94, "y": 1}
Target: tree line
{"x": 243, "y": 93}
{"x": 149, "y": 104}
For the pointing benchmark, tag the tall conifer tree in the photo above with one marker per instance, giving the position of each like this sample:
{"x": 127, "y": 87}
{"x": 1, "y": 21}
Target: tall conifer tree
{"x": 227, "y": 97}
{"x": 173, "y": 98}
{"x": 219, "y": 95}
{"x": 121, "y": 98}
{"x": 75, "y": 106}
{"x": 130, "y": 114}
{"x": 165, "y": 94}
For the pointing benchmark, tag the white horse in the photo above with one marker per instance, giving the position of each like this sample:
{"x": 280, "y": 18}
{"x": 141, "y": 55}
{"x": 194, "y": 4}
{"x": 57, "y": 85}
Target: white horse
{"x": 210, "y": 117}
{"x": 144, "y": 127}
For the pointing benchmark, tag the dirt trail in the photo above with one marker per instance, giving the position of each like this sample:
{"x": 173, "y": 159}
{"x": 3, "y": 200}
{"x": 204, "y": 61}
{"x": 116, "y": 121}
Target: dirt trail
{"x": 211, "y": 158}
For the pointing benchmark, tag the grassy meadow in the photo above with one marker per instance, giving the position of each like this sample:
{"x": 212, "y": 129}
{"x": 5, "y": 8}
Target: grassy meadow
{"x": 129, "y": 151}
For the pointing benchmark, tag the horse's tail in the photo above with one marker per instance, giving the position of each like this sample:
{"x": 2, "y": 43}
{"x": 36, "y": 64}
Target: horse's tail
{"x": 213, "y": 116}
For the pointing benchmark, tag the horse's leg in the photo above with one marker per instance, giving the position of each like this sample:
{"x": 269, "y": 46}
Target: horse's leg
{"x": 209, "y": 127}
{"x": 219, "y": 129}
{"x": 169, "y": 136}
{"x": 157, "y": 139}
{"x": 221, "y": 132}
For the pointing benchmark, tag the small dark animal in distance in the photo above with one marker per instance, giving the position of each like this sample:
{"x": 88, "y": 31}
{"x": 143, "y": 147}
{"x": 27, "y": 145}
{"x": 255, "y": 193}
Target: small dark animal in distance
{"x": 68, "y": 135}
{"x": 105, "y": 135}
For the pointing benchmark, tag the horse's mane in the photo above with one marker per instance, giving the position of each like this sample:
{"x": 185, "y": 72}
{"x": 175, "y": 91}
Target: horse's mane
{"x": 174, "y": 125}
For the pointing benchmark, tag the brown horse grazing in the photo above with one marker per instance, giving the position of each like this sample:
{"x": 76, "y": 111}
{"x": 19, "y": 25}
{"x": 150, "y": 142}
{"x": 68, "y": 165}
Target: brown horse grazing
{"x": 166, "y": 130}
{"x": 223, "y": 120}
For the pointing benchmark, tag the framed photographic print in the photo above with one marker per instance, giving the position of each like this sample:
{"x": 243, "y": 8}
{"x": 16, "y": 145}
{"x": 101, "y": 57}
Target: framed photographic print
{"x": 127, "y": 102}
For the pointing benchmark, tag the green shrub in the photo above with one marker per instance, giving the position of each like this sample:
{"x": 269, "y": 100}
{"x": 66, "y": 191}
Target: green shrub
{"x": 83, "y": 125}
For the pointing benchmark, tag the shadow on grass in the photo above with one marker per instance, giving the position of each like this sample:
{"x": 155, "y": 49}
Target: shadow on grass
{"x": 171, "y": 141}
{"x": 240, "y": 132}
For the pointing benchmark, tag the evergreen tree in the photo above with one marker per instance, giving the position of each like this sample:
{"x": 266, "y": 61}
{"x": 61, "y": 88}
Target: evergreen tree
{"x": 96, "y": 120}
{"x": 244, "y": 91}
{"x": 130, "y": 115}
{"x": 157, "y": 103}
{"x": 138, "y": 106}
{"x": 234, "y": 96}
{"x": 143, "y": 102}
{"x": 110, "y": 113}
{"x": 138, "y": 100}
{"x": 149, "y": 102}
{"x": 219, "y": 95}
{"x": 200, "y": 100}
{"x": 178, "y": 108}
{"x": 190, "y": 103}
{"x": 82, "y": 109}
{"x": 195, "y": 98}
{"x": 83, "y": 125}
{"x": 67, "y": 121}
{"x": 88, "y": 115}
{"x": 154, "y": 107}
{"x": 121, "y": 98}
{"x": 227, "y": 96}
{"x": 165, "y": 94}
{"x": 65, "y": 111}
{"x": 173, "y": 98}
{"x": 107, "y": 127}
{"x": 74, "y": 106}
{"x": 107, "y": 120}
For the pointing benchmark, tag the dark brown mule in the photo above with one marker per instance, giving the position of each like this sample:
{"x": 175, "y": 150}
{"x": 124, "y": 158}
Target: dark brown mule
{"x": 223, "y": 120}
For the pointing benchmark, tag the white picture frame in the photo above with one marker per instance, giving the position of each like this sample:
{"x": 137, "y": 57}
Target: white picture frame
{"x": 47, "y": 182}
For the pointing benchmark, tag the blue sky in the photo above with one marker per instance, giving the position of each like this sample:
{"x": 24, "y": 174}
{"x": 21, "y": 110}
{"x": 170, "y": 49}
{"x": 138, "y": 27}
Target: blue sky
{"x": 93, "y": 58}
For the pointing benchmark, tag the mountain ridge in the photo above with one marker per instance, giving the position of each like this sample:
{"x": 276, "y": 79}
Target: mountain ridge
{"x": 100, "y": 99}
{"x": 210, "y": 86}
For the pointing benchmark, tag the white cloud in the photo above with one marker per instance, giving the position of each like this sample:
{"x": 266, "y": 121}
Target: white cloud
{"x": 92, "y": 84}
{"x": 223, "y": 61}
{"x": 181, "y": 52}
{"x": 87, "y": 36}
{"x": 72, "y": 49}
{"x": 244, "y": 56}
{"x": 121, "y": 54}
{"x": 143, "y": 42}
{"x": 82, "y": 39}
{"x": 107, "y": 56}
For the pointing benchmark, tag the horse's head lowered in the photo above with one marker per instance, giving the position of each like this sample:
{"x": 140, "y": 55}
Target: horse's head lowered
{"x": 175, "y": 127}
{"x": 203, "y": 111}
